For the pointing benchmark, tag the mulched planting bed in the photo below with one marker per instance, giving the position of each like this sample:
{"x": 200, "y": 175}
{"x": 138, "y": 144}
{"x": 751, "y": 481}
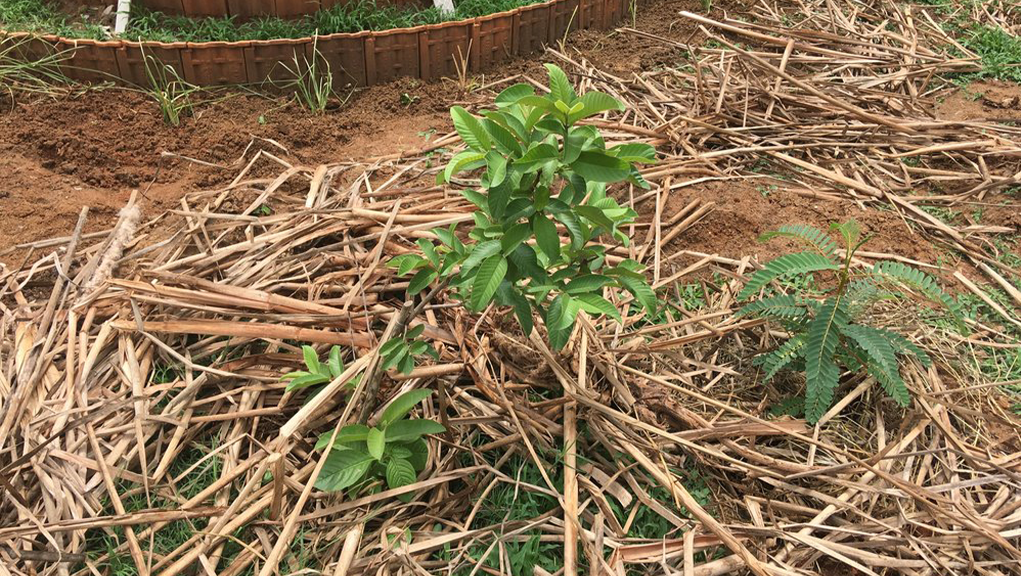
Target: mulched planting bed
{"x": 145, "y": 428}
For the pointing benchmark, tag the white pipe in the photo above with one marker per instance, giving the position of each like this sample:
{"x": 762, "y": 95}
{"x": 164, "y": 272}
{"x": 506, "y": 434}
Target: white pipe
{"x": 123, "y": 11}
{"x": 445, "y": 6}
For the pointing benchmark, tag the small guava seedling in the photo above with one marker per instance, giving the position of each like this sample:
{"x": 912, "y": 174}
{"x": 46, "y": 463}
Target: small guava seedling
{"x": 395, "y": 449}
{"x": 401, "y": 351}
{"x": 318, "y": 372}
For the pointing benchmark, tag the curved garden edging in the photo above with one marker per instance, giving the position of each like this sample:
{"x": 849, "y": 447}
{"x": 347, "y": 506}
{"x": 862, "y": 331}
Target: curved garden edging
{"x": 357, "y": 59}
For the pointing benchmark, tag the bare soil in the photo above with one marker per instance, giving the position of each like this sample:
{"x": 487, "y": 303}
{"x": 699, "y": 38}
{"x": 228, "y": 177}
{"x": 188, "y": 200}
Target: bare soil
{"x": 986, "y": 101}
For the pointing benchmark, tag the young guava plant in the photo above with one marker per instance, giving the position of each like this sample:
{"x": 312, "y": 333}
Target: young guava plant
{"x": 401, "y": 351}
{"x": 395, "y": 449}
{"x": 540, "y": 170}
{"x": 832, "y": 334}
{"x": 317, "y": 372}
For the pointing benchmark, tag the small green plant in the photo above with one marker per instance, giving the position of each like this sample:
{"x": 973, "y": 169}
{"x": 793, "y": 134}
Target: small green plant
{"x": 829, "y": 334}
{"x": 171, "y": 92}
{"x": 313, "y": 80}
{"x": 401, "y": 351}
{"x": 408, "y": 99}
{"x": 541, "y": 170}
{"x": 318, "y": 373}
{"x": 1000, "y": 51}
{"x": 21, "y": 72}
{"x": 394, "y": 449}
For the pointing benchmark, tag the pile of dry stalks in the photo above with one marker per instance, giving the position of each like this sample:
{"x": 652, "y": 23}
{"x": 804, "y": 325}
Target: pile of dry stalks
{"x": 187, "y": 330}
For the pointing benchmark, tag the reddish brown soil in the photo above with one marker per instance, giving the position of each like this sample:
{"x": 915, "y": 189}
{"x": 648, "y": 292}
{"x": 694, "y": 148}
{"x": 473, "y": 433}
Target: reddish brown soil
{"x": 987, "y": 101}
{"x": 92, "y": 149}
{"x": 95, "y": 148}
{"x": 744, "y": 211}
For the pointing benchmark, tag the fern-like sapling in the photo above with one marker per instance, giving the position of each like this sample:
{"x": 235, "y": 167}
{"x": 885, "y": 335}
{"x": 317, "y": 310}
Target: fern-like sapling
{"x": 831, "y": 334}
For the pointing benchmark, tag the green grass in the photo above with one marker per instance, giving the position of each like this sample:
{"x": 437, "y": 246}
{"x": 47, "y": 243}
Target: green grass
{"x": 21, "y": 75}
{"x": 1000, "y": 51}
{"x": 41, "y": 16}
{"x": 171, "y": 93}
{"x": 941, "y": 213}
{"x": 994, "y": 364}
{"x": 306, "y": 551}
{"x": 510, "y": 502}
{"x": 313, "y": 81}
{"x": 102, "y": 544}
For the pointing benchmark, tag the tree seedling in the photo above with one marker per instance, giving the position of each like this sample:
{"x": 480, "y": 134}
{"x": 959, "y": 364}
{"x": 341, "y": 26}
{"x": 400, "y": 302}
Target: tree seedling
{"x": 541, "y": 170}
{"x": 394, "y": 449}
{"x": 831, "y": 334}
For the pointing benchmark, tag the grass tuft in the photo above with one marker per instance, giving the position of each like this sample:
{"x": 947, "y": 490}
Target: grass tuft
{"x": 1000, "y": 51}
{"x": 171, "y": 92}
{"x": 23, "y": 73}
{"x": 313, "y": 80}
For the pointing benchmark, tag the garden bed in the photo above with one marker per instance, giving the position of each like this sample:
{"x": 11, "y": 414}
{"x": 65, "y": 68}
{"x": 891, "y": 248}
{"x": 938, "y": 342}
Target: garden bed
{"x": 370, "y": 56}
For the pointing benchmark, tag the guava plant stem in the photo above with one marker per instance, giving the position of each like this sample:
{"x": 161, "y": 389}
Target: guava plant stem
{"x": 404, "y": 317}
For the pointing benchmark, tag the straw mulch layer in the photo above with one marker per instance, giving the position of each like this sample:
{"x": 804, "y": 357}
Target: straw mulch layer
{"x": 124, "y": 352}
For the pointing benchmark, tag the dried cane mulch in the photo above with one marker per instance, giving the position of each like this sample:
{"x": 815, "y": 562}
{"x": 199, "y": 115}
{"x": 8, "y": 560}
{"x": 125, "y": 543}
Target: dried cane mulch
{"x": 122, "y": 350}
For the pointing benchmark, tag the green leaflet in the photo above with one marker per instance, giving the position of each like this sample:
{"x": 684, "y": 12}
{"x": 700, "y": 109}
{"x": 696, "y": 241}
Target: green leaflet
{"x": 462, "y": 161}
{"x": 927, "y": 285}
{"x": 399, "y": 472}
{"x": 594, "y": 103}
{"x": 470, "y": 130}
{"x": 343, "y": 469}
{"x": 600, "y": 167}
{"x": 480, "y": 252}
{"x": 904, "y": 345}
{"x": 546, "y": 237}
{"x": 596, "y": 304}
{"x": 560, "y": 86}
{"x": 784, "y": 306}
{"x": 514, "y": 93}
{"x": 487, "y": 280}
{"x": 881, "y": 359}
{"x": 311, "y": 359}
{"x": 805, "y": 234}
{"x": 587, "y": 283}
{"x": 797, "y": 263}
{"x": 634, "y": 152}
{"x": 410, "y": 430}
{"x": 821, "y": 369}
{"x": 642, "y": 292}
{"x": 375, "y": 441}
{"x": 346, "y": 435}
{"x": 402, "y": 405}
{"x": 782, "y": 357}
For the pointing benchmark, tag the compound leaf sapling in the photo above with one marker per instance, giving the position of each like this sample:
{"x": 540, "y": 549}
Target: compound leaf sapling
{"x": 829, "y": 335}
